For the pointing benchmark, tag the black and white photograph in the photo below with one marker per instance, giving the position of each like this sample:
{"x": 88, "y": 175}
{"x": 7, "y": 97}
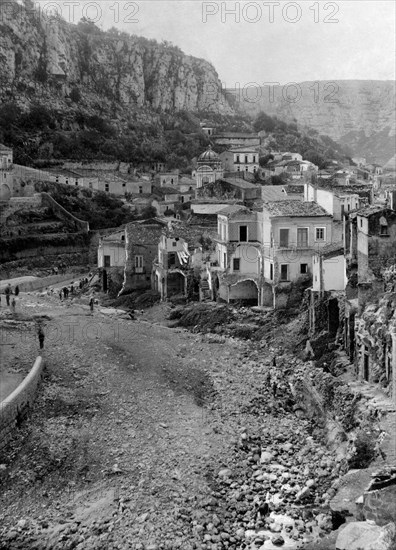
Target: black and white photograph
{"x": 197, "y": 275}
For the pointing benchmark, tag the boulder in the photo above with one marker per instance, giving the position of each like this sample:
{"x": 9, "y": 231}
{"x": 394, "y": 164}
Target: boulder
{"x": 365, "y": 535}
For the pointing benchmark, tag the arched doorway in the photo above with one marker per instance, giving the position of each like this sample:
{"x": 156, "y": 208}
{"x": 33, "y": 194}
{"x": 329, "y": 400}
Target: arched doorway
{"x": 175, "y": 284}
{"x": 245, "y": 292}
{"x": 5, "y": 192}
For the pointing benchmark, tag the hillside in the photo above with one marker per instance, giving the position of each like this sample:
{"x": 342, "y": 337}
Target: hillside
{"x": 356, "y": 113}
{"x": 77, "y": 92}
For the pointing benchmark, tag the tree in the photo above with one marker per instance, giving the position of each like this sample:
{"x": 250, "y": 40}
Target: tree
{"x": 263, "y": 161}
{"x": 316, "y": 158}
{"x": 264, "y": 122}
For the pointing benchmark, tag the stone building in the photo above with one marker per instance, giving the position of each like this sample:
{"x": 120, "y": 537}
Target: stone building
{"x": 240, "y": 159}
{"x": 209, "y": 168}
{"x": 239, "y": 255}
{"x": 6, "y": 173}
{"x": 141, "y": 244}
{"x": 170, "y": 269}
{"x": 292, "y": 231}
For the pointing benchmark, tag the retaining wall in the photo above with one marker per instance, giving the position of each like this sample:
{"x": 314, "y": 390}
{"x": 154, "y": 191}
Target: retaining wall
{"x": 16, "y": 405}
{"x": 38, "y": 282}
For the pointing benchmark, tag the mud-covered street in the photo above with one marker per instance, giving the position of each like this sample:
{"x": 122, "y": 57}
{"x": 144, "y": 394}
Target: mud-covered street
{"x": 149, "y": 437}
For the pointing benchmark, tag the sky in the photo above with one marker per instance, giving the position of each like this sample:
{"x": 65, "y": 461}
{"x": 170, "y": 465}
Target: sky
{"x": 261, "y": 41}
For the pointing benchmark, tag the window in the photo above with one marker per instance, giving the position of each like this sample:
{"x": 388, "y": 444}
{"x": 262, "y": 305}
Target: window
{"x": 139, "y": 264}
{"x": 67, "y": 181}
{"x": 171, "y": 259}
{"x": 238, "y": 168}
{"x": 123, "y": 237}
{"x": 383, "y": 230}
{"x": 254, "y": 158}
{"x": 284, "y": 272}
{"x": 361, "y": 222}
{"x": 225, "y": 259}
{"x": 283, "y": 237}
{"x": 174, "y": 243}
{"x": 320, "y": 234}
{"x": 182, "y": 198}
{"x": 140, "y": 189}
{"x": 236, "y": 264}
{"x": 272, "y": 272}
{"x": 246, "y": 159}
{"x": 246, "y": 168}
{"x": 303, "y": 269}
{"x": 302, "y": 237}
{"x": 172, "y": 180}
{"x": 107, "y": 187}
{"x": 107, "y": 261}
{"x": 237, "y": 159}
{"x": 76, "y": 183}
{"x": 243, "y": 233}
{"x": 124, "y": 184}
{"x": 383, "y": 226}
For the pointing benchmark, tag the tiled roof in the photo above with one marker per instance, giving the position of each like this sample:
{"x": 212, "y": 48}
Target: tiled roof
{"x": 239, "y": 182}
{"x": 374, "y": 209}
{"x": 232, "y": 209}
{"x": 292, "y": 208}
{"x": 143, "y": 233}
{"x": 272, "y": 193}
{"x": 332, "y": 248}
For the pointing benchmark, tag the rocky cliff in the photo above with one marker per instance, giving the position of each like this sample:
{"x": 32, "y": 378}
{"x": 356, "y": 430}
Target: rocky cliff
{"x": 50, "y": 59}
{"x": 357, "y": 113}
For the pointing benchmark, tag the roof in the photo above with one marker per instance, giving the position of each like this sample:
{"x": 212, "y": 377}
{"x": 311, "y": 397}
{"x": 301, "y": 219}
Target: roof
{"x": 209, "y": 155}
{"x": 239, "y": 182}
{"x": 138, "y": 233}
{"x": 5, "y": 148}
{"x": 272, "y": 193}
{"x": 242, "y": 149}
{"x": 165, "y": 191}
{"x": 331, "y": 249}
{"x": 292, "y": 208}
{"x": 374, "y": 209}
{"x": 232, "y": 209}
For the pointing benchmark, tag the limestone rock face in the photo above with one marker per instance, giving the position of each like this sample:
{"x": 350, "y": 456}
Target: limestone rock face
{"x": 50, "y": 58}
{"x": 356, "y": 113}
{"x": 364, "y": 535}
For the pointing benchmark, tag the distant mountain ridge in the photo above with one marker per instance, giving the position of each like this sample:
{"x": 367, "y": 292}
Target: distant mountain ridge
{"x": 356, "y": 113}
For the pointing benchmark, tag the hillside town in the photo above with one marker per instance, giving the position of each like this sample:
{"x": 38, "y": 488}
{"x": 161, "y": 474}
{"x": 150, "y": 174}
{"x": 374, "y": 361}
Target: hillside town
{"x": 291, "y": 264}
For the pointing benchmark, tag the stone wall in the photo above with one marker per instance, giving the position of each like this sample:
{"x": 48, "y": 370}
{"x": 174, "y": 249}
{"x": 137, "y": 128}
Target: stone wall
{"x": 17, "y": 404}
{"x": 380, "y": 505}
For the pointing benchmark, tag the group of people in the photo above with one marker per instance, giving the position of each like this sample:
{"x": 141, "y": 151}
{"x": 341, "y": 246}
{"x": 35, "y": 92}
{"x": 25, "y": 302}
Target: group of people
{"x": 65, "y": 291}
{"x": 10, "y": 296}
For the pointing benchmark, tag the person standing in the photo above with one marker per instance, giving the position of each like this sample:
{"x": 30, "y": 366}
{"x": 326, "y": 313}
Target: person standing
{"x": 17, "y": 291}
{"x": 91, "y": 305}
{"x": 13, "y": 304}
{"x": 8, "y": 292}
{"x": 41, "y": 336}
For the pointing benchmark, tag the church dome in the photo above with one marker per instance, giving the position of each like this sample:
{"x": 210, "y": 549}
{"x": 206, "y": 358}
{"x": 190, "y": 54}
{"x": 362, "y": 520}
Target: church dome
{"x": 209, "y": 155}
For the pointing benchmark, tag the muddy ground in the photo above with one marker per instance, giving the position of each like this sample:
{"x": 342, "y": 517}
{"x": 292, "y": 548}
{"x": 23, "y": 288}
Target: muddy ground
{"x": 150, "y": 437}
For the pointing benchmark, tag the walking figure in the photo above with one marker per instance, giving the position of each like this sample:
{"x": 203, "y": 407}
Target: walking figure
{"x": 7, "y": 293}
{"x": 274, "y": 388}
{"x": 91, "y": 305}
{"x": 41, "y": 336}
{"x": 13, "y": 304}
{"x": 17, "y": 290}
{"x": 60, "y": 295}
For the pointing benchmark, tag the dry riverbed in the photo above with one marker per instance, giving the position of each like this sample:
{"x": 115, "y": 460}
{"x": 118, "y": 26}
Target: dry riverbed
{"x": 147, "y": 437}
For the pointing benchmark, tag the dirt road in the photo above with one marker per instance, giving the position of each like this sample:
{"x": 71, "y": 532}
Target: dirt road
{"x": 119, "y": 415}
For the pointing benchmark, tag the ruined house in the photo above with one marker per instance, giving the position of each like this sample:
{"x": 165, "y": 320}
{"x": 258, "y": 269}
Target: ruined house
{"x": 141, "y": 243}
{"x": 239, "y": 244}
